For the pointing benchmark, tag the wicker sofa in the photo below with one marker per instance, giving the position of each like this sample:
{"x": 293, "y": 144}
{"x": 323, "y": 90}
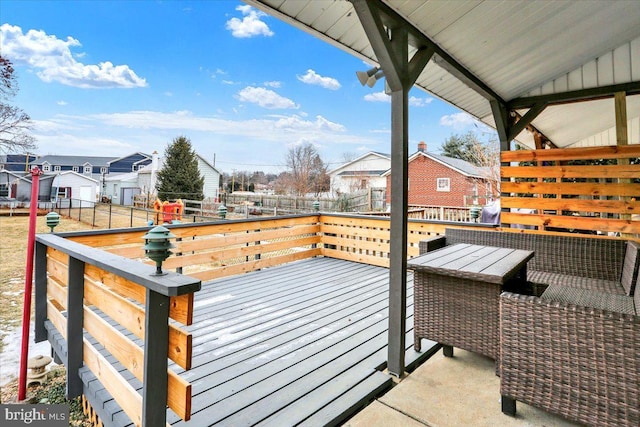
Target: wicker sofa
{"x": 580, "y": 262}
{"x": 573, "y": 346}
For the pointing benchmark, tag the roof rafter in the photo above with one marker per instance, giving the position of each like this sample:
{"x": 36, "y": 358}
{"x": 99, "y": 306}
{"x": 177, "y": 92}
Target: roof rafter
{"x": 631, "y": 88}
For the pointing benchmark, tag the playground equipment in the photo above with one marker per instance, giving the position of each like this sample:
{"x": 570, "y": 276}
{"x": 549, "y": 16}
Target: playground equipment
{"x": 168, "y": 212}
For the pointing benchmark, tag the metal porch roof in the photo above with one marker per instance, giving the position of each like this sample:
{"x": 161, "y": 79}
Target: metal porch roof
{"x": 517, "y": 47}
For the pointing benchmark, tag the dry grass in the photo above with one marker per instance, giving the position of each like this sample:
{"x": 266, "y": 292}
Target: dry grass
{"x": 13, "y": 256}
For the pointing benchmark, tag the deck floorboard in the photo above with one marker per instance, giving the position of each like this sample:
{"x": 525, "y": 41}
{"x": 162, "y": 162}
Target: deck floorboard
{"x": 297, "y": 344}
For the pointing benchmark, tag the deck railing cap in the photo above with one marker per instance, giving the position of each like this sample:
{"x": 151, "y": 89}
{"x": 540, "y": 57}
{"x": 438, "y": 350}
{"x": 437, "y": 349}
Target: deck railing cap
{"x": 171, "y": 284}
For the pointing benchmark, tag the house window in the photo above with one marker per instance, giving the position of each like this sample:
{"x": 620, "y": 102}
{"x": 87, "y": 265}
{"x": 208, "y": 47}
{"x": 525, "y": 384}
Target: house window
{"x": 76, "y": 169}
{"x": 56, "y": 168}
{"x": 4, "y": 190}
{"x": 103, "y": 169}
{"x": 64, "y": 192}
{"x": 87, "y": 169}
{"x": 133, "y": 168}
{"x": 46, "y": 168}
{"x": 443, "y": 184}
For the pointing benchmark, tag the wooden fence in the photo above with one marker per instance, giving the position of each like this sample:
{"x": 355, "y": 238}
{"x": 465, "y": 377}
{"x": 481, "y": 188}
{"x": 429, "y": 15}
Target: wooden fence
{"x": 79, "y": 287}
{"x": 593, "y": 189}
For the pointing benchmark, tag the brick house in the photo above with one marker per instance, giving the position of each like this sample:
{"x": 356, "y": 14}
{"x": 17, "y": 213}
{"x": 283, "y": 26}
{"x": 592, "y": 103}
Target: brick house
{"x": 436, "y": 180}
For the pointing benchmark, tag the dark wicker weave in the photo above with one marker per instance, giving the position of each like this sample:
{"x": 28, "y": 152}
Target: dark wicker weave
{"x": 456, "y": 312}
{"x": 578, "y": 362}
{"x": 574, "y": 351}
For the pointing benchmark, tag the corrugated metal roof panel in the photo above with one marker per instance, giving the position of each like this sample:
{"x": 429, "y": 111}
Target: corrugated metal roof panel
{"x": 516, "y": 47}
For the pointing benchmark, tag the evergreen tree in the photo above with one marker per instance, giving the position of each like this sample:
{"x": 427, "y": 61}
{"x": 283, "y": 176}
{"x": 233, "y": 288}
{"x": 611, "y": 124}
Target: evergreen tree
{"x": 180, "y": 178}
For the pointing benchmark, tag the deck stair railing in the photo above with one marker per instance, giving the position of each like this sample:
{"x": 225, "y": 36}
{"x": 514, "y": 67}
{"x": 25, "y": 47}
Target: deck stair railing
{"x": 82, "y": 289}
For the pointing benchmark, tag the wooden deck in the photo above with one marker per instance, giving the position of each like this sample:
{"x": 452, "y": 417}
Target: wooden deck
{"x": 298, "y": 344}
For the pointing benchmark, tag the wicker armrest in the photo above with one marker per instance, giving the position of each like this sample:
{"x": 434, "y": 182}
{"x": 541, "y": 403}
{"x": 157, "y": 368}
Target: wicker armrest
{"x": 431, "y": 244}
{"x": 579, "y": 362}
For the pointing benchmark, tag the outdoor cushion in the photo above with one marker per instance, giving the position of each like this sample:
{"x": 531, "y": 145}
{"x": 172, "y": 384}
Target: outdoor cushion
{"x": 588, "y": 298}
{"x": 579, "y": 282}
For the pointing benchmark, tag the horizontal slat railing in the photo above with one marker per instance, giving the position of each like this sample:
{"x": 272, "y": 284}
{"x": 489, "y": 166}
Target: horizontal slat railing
{"x": 78, "y": 287}
{"x": 223, "y": 248}
{"x": 366, "y": 239}
{"x": 599, "y": 192}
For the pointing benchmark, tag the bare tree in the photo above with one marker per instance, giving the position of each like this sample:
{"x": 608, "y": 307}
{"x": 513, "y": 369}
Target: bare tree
{"x": 307, "y": 172}
{"x": 15, "y": 124}
{"x": 486, "y": 156}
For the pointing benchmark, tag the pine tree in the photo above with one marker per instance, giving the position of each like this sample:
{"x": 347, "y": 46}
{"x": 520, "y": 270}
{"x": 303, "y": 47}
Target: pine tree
{"x": 180, "y": 178}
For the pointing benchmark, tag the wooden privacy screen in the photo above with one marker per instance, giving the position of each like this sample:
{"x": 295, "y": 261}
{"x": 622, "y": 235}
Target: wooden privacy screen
{"x": 594, "y": 189}
{"x": 108, "y": 299}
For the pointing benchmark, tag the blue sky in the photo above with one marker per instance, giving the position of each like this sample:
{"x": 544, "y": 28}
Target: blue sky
{"x": 109, "y": 78}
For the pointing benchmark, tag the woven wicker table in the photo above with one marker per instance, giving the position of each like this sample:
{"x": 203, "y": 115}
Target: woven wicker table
{"x": 456, "y": 294}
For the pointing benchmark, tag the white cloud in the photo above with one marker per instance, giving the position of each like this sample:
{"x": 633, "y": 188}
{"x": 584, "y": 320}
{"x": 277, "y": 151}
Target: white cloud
{"x": 265, "y": 98}
{"x": 53, "y": 58}
{"x": 462, "y": 120}
{"x": 229, "y": 82}
{"x": 250, "y": 25}
{"x": 62, "y": 103}
{"x": 313, "y": 78}
{"x": 419, "y": 102}
{"x": 168, "y": 93}
{"x": 377, "y": 97}
{"x": 274, "y": 128}
{"x": 298, "y": 123}
{"x": 274, "y": 84}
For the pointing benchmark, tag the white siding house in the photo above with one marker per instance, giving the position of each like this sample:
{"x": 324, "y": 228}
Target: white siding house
{"x": 147, "y": 177}
{"x": 362, "y": 173}
{"x": 121, "y": 188}
{"x": 73, "y": 185}
{"x": 211, "y": 178}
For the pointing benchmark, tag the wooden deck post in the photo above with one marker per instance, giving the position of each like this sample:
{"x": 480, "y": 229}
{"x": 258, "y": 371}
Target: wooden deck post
{"x": 75, "y": 316}
{"x": 154, "y": 391}
{"x": 41, "y": 291}
{"x": 391, "y": 46}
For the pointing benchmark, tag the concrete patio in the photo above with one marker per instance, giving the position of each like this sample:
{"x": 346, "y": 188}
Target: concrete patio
{"x": 449, "y": 392}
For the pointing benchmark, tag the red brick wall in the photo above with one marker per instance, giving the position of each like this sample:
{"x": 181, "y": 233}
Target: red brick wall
{"x": 423, "y": 174}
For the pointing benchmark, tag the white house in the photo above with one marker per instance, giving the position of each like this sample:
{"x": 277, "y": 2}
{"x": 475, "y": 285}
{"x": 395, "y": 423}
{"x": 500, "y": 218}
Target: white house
{"x": 121, "y": 188}
{"x": 211, "y": 178}
{"x": 147, "y": 177}
{"x": 73, "y": 185}
{"x": 364, "y": 172}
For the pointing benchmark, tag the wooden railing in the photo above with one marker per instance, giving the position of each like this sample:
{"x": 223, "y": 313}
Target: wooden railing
{"x": 591, "y": 189}
{"x": 212, "y": 250}
{"x": 79, "y": 287}
{"x": 435, "y": 213}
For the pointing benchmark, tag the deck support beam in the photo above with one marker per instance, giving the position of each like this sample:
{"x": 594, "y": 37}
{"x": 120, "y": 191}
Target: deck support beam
{"x": 154, "y": 393}
{"x": 390, "y": 42}
{"x": 75, "y": 323}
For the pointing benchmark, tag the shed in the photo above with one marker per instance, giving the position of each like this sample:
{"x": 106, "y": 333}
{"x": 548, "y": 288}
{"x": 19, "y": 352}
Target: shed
{"x": 72, "y": 185}
{"x": 121, "y": 188}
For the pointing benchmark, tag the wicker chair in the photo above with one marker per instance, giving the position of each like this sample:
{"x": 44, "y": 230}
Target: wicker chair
{"x": 575, "y": 351}
{"x": 579, "y": 362}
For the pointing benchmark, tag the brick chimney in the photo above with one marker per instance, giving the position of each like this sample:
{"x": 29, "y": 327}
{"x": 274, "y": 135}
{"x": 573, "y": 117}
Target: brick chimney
{"x": 422, "y": 147}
